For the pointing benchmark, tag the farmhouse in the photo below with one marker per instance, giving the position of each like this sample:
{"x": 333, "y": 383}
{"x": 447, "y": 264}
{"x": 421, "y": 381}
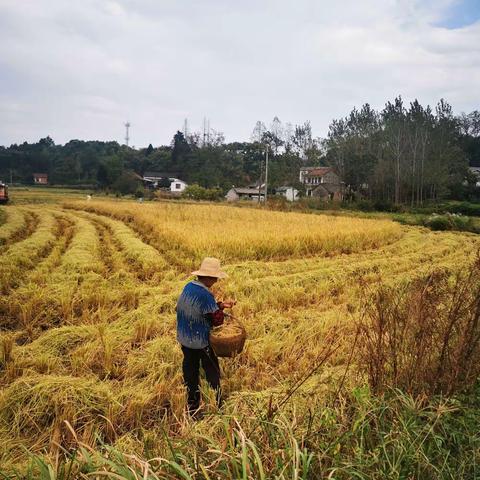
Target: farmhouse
{"x": 40, "y": 179}
{"x": 155, "y": 177}
{"x": 165, "y": 180}
{"x": 250, "y": 193}
{"x": 177, "y": 185}
{"x": 322, "y": 182}
{"x": 290, "y": 193}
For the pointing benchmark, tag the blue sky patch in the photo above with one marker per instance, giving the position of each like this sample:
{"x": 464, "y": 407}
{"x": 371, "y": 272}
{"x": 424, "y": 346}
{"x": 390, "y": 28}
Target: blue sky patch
{"x": 461, "y": 14}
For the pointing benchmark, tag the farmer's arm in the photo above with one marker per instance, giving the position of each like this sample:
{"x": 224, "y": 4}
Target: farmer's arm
{"x": 217, "y": 317}
{"x": 226, "y": 304}
{"x": 213, "y": 311}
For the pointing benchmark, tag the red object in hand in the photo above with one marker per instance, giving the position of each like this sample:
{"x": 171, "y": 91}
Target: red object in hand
{"x": 217, "y": 318}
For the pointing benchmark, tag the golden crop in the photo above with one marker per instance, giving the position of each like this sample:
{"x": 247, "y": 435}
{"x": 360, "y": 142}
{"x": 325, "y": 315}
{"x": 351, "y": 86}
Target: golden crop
{"x": 87, "y": 310}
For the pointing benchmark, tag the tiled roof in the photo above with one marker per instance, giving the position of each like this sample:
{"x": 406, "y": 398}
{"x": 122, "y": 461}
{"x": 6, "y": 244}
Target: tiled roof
{"x": 160, "y": 175}
{"x": 318, "y": 171}
{"x": 248, "y": 191}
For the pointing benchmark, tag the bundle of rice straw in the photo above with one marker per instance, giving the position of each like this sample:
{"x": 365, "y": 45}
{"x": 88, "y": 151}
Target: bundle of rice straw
{"x": 228, "y": 339}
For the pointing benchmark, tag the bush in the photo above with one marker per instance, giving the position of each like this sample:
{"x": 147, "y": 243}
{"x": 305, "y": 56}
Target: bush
{"x": 140, "y": 193}
{"x": 126, "y": 184}
{"x": 464, "y": 208}
{"x": 449, "y": 221}
{"x": 364, "y": 206}
{"x": 386, "y": 206}
{"x": 438, "y": 222}
{"x": 316, "y": 203}
{"x": 424, "y": 338}
{"x": 196, "y": 192}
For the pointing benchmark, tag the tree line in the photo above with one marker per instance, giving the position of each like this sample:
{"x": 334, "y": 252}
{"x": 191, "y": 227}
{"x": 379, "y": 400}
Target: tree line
{"x": 405, "y": 153}
{"x": 401, "y": 154}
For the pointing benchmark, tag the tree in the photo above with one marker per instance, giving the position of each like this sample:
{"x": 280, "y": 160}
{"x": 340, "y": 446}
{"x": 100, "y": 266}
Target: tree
{"x": 149, "y": 149}
{"x": 102, "y": 175}
{"x": 394, "y": 128}
{"x": 258, "y": 132}
{"x": 127, "y": 183}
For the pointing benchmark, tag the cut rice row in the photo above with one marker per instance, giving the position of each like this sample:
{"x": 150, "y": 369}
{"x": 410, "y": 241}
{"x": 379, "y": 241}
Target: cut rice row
{"x": 24, "y": 255}
{"x": 142, "y": 258}
{"x": 15, "y": 222}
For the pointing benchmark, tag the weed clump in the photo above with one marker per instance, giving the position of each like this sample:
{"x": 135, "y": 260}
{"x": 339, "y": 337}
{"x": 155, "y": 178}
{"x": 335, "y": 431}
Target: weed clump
{"x": 424, "y": 337}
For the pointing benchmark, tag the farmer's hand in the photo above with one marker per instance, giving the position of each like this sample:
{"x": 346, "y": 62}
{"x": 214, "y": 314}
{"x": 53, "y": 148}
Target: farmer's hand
{"x": 227, "y": 304}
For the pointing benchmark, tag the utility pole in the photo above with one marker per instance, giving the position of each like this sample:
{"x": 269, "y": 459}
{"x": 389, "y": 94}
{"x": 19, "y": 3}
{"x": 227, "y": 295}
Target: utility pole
{"x": 266, "y": 173}
{"x": 127, "y": 138}
{"x": 260, "y": 182}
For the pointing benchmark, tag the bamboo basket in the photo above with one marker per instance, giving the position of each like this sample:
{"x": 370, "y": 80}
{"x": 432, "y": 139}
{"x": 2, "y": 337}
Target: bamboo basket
{"x": 228, "y": 339}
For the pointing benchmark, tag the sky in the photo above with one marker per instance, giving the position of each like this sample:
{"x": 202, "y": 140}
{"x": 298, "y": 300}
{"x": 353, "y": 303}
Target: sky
{"x": 80, "y": 70}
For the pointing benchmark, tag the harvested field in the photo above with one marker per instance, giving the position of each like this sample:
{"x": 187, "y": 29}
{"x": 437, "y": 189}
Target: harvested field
{"x": 87, "y": 316}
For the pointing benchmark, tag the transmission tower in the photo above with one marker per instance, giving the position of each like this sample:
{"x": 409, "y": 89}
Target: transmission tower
{"x": 127, "y": 138}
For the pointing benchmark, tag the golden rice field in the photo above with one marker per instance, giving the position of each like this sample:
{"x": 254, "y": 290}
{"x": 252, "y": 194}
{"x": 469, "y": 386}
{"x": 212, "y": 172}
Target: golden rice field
{"x": 87, "y": 313}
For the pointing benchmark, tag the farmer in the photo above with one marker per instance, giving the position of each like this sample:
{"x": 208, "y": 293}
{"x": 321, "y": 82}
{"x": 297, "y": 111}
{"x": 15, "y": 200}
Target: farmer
{"x": 197, "y": 312}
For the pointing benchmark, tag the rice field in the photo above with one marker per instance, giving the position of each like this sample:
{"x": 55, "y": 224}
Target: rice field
{"x": 87, "y": 315}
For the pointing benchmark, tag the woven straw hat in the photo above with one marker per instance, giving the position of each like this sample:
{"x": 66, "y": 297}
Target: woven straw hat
{"x": 210, "y": 267}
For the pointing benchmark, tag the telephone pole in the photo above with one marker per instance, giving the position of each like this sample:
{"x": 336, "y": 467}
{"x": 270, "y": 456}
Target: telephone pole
{"x": 127, "y": 138}
{"x": 266, "y": 173}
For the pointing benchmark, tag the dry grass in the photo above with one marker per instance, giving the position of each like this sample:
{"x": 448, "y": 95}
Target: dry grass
{"x": 424, "y": 336}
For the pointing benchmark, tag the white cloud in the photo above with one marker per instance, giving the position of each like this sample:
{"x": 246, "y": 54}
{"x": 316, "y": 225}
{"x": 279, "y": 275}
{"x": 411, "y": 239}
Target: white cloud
{"x": 80, "y": 69}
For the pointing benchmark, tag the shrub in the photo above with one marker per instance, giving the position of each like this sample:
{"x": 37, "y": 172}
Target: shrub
{"x": 464, "y": 208}
{"x": 449, "y": 221}
{"x": 386, "y": 206}
{"x": 425, "y": 337}
{"x": 196, "y": 192}
{"x": 126, "y": 184}
{"x": 365, "y": 206}
{"x": 438, "y": 222}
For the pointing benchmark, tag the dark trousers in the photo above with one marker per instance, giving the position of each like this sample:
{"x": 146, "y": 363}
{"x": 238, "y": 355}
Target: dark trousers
{"x": 191, "y": 374}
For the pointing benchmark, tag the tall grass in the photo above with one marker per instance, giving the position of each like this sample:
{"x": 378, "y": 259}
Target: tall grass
{"x": 424, "y": 337}
{"x": 362, "y": 436}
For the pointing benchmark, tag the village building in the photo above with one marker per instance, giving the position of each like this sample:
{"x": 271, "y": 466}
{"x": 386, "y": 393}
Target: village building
{"x": 290, "y": 193}
{"x": 322, "y": 182}
{"x": 250, "y": 193}
{"x": 40, "y": 179}
{"x": 177, "y": 185}
{"x": 158, "y": 179}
